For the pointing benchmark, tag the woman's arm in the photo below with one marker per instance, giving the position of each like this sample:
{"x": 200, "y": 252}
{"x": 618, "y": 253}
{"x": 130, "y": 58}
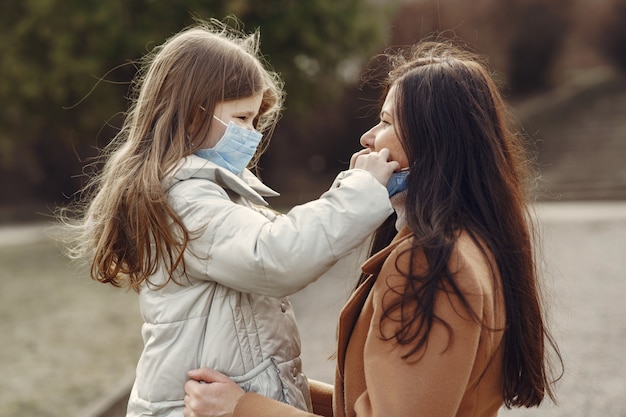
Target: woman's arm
{"x": 212, "y": 394}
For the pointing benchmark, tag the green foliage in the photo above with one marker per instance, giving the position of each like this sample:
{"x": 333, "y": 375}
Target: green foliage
{"x": 310, "y": 42}
{"x": 66, "y": 67}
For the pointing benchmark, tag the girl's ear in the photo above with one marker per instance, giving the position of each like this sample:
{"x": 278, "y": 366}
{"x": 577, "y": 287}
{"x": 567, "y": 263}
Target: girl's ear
{"x": 195, "y": 121}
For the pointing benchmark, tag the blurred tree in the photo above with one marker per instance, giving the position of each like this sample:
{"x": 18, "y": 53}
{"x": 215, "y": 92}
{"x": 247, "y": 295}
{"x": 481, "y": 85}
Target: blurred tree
{"x": 609, "y": 32}
{"x": 522, "y": 38}
{"x": 318, "y": 46}
{"x": 537, "y": 30}
{"x": 66, "y": 65}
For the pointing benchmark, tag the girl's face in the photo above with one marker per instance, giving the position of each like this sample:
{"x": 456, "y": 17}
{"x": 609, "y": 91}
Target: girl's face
{"x": 384, "y": 134}
{"x": 241, "y": 111}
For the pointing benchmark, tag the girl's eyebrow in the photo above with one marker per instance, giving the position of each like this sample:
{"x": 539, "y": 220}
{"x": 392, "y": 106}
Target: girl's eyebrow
{"x": 247, "y": 113}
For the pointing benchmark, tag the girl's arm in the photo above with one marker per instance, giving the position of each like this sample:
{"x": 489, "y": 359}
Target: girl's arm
{"x": 242, "y": 249}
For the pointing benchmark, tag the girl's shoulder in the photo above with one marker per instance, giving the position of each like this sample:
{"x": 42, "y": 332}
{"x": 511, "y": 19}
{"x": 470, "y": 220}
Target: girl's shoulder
{"x": 196, "y": 190}
{"x": 198, "y": 176}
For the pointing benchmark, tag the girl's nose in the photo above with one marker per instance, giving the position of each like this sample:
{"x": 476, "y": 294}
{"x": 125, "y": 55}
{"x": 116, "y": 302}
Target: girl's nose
{"x": 367, "y": 139}
{"x": 250, "y": 125}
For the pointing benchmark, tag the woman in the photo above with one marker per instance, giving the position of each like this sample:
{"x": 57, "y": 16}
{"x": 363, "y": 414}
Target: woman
{"x": 446, "y": 319}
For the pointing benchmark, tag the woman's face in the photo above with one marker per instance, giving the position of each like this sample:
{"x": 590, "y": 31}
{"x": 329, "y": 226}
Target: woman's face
{"x": 241, "y": 111}
{"x": 384, "y": 134}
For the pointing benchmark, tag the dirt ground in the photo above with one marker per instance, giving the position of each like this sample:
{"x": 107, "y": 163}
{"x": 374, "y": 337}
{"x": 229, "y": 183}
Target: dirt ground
{"x": 66, "y": 340}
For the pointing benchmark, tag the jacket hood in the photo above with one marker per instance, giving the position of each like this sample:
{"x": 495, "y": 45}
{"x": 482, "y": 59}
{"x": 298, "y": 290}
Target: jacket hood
{"x": 245, "y": 184}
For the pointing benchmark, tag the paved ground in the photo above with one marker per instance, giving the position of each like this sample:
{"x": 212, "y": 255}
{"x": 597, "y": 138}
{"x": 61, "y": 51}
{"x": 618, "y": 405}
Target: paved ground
{"x": 584, "y": 253}
{"x": 69, "y": 345}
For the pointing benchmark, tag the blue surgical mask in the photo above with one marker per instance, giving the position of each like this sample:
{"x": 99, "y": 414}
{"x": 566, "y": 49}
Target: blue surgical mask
{"x": 235, "y": 149}
{"x": 398, "y": 182}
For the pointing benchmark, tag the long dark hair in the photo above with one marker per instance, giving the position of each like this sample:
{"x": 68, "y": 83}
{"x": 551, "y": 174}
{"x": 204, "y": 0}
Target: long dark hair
{"x": 468, "y": 172}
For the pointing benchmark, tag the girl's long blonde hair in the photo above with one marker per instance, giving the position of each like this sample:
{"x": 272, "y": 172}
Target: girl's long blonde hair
{"x": 125, "y": 223}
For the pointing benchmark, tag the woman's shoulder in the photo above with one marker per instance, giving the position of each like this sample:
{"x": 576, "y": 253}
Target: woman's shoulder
{"x": 473, "y": 264}
{"x": 470, "y": 262}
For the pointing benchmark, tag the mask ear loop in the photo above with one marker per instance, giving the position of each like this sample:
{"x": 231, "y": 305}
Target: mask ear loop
{"x": 220, "y": 120}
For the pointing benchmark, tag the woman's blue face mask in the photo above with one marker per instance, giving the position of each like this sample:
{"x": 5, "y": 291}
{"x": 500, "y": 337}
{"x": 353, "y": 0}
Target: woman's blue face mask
{"x": 235, "y": 149}
{"x": 398, "y": 182}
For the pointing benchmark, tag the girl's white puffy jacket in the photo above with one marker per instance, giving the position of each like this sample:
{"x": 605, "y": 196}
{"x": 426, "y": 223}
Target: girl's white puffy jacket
{"x": 231, "y": 314}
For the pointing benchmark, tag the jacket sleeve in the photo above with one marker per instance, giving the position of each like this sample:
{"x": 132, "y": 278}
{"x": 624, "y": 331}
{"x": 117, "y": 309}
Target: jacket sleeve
{"x": 242, "y": 249}
{"x": 321, "y": 398}
{"x": 433, "y": 381}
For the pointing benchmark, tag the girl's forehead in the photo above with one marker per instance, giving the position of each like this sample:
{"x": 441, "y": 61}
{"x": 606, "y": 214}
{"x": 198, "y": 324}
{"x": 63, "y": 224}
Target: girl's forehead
{"x": 245, "y": 104}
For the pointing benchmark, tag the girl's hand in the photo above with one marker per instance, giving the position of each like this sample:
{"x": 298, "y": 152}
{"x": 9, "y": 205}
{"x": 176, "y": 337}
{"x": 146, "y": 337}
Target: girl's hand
{"x": 210, "y": 394}
{"x": 376, "y": 163}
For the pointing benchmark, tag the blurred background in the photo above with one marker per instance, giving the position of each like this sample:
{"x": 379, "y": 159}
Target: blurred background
{"x": 66, "y": 65}
{"x": 65, "y": 71}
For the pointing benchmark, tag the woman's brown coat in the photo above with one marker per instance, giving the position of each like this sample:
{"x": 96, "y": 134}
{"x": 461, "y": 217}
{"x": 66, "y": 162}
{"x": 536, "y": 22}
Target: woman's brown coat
{"x": 458, "y": 373}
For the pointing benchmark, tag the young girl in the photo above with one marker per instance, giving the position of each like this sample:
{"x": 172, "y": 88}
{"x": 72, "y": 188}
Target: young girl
{"x": 176, "y": 216}
{"x": 446, "y": 320}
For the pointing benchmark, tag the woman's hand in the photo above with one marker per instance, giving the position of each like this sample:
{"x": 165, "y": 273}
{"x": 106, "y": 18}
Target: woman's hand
{"x": 376, "y": 163}
{"x": 210, "y": 394}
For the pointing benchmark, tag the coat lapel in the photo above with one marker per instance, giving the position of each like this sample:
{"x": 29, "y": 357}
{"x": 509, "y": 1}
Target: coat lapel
{"x": 347, "y": 319}
{"x": 376, "y": 261}
{"x": 351, "y": 311}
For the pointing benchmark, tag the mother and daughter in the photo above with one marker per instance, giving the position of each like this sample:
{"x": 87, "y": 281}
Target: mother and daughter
{"x": 446, "y": 319}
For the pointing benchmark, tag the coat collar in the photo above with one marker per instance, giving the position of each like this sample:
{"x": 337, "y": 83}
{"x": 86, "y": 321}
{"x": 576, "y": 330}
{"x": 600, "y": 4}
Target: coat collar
{"x": 246, "y": 184}
{"x": 375, "y": 262}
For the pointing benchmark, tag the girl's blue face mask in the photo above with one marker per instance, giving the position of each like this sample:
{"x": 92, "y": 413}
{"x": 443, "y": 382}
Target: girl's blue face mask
{"x": 398, "y": 182}
{"x": 235, "y": 149}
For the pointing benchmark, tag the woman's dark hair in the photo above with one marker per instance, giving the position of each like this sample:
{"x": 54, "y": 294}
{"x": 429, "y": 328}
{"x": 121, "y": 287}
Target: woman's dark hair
{"x": 468, "y": 172}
